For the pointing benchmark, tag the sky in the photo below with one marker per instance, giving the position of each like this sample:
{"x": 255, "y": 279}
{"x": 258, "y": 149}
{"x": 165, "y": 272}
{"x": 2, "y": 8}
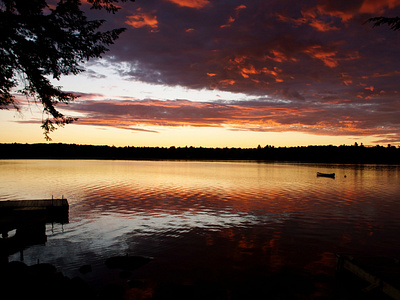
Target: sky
{"x": 230, "y": 73}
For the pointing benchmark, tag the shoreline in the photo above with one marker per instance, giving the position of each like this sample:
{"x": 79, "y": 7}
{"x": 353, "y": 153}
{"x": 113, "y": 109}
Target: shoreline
{"x": 311, "y": 154}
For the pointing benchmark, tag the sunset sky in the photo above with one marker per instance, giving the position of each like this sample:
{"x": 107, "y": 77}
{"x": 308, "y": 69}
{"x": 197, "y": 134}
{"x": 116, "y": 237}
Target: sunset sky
{"x": 230, "y": 73}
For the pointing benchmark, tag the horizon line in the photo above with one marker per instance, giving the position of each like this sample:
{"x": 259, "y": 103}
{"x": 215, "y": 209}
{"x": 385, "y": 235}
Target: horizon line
{"x": 225, "y": 147}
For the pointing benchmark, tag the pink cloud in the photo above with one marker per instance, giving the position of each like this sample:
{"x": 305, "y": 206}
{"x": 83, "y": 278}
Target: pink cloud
{"x": 256, "y": 115}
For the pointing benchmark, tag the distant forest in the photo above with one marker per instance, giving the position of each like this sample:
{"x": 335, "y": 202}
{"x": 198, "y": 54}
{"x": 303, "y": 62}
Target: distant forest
{"x": 324, "y": 154}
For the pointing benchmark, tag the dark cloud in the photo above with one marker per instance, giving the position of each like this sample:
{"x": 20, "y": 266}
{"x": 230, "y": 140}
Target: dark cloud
{"x": 318, "y": 66}
{"x": 259, "y": 47}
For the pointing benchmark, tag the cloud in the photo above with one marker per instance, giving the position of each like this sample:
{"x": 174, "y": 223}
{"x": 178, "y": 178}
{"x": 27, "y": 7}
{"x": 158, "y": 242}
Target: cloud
{"x": 327, "y": 56}
{"x": 246, "y": 48}
{"x": 233, "y": 18}
{"x": 378, "y": 7}
{"x": 190, "y": 3}
{"x": 143, "y": 19}
{"x": 259, "y": 114}
{"x": 313, "y": 17}
{"x": 323, "y": 69}
{"x": 342, "y": 9}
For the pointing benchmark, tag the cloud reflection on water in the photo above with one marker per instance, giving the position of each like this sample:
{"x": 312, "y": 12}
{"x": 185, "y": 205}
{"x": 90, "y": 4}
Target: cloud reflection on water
{"x": 213, "y": 219}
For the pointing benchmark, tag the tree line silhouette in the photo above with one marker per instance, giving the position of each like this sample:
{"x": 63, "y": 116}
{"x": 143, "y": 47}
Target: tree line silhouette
{"x": 324, "y": 154}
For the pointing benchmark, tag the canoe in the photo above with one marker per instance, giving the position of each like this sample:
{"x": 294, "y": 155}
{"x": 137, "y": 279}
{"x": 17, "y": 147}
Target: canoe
{"x": 331, "y": 175}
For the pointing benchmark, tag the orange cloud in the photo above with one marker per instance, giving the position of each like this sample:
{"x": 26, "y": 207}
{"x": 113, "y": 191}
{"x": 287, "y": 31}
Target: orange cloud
{"x": 321, "y": 26}
{"x": 229, "y": 23}
{"x": 316, "y": 17}
{"x": 255, "y": 115}
{"x": 378, "y": 6}
{"x": 227, "y": 82}
{"x": 247, "y": 71}
{"x": 326, "y": 56}
{"x": 344, "y": 15}
{"x": 190, "y": 3}
{"x": 375, "y": 7}
{"x": 279, "y": 56}
{"x": 274, "y": 73}
{"x": 371, "y": 88}
{"x": 286, "y": 19}
{"x": 143, "y": 19}
{"x": 233, "y": 19}
{"x": 347, "y": 80}
{"x": 311, "y": 16}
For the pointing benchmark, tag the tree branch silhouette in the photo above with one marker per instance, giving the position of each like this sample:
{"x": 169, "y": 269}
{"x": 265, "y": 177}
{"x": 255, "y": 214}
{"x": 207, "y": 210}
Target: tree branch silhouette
{"x": 38, "y": 40}
{"x": 393, "y": 23}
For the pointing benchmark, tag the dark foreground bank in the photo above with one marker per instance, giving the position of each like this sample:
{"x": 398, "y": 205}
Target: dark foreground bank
{"x": 324, "y": 154}
{"x": 44, "y": 281}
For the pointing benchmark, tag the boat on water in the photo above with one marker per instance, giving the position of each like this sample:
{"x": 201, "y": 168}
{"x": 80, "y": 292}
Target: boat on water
{"x": 330, "y": 175}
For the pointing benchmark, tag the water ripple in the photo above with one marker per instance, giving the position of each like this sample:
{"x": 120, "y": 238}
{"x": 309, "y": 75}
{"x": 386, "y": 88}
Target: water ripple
{"x": 211, "y": 215}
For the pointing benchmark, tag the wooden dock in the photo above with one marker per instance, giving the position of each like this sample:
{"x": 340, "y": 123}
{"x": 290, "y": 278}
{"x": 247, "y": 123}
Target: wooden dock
{"x": 17, "y": 212}
{"x": 28, "y": 218}
{"x": 33, "y": 204}
{"x": 381, "y": 273}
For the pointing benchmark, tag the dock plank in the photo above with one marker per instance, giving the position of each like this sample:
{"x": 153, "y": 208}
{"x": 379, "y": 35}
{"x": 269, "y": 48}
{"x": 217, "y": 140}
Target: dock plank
{"x": 40, "y": 203}
{"x": 17, "y": 213}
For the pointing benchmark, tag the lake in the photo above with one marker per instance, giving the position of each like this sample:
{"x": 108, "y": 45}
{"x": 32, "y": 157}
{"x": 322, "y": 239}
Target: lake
{"x": 236, "y": 228}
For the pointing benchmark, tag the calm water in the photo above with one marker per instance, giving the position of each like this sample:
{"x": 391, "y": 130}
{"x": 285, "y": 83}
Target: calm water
{"x": 220, "y": 222}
